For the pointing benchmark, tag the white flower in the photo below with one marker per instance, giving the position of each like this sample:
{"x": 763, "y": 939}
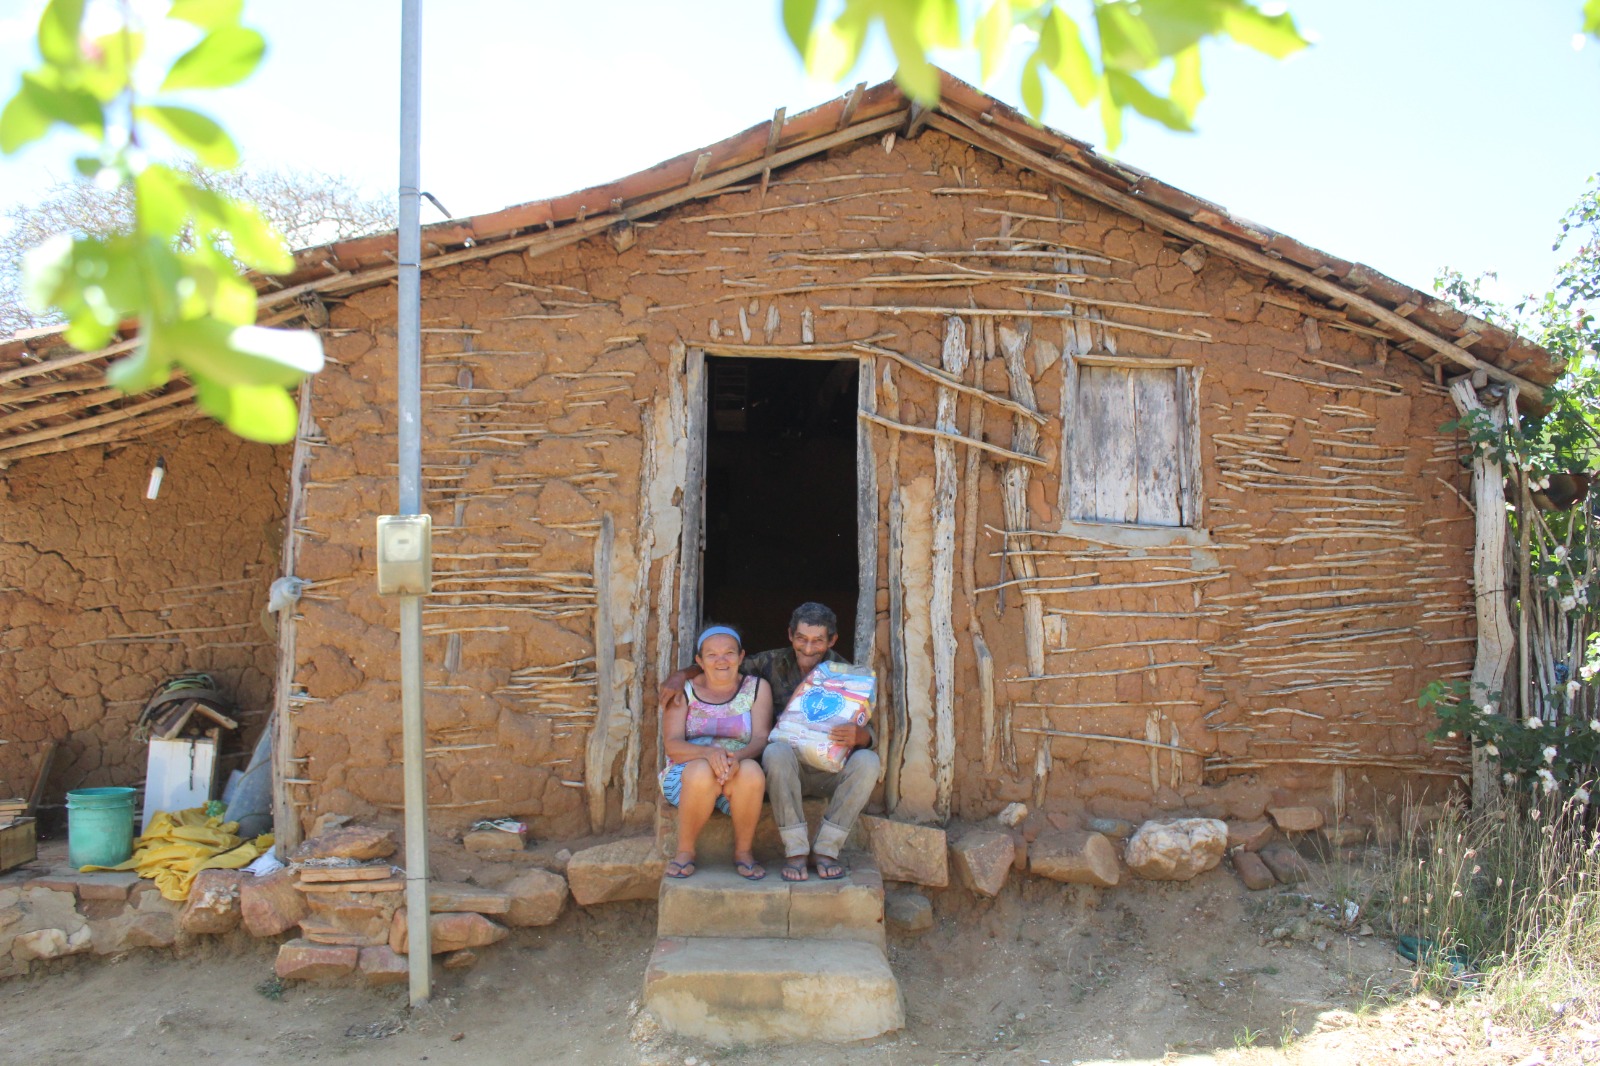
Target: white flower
{"x": 1581, "y": 795}
{"x": 1492, "y": 750}
{"x": 1509, "y": 778}
{"x": 1534, "y": 722}
{"x": 1451, "y": 734}
{"x": 1552, "y": 581}
{"x": 1547, "y": 780}
{"x": 1550, "y": 753}
{"x": 1490, "y": 708}
{"x": 1560, "y": 553}
{"x": 1573, "y": 688}
{"x": 1594, "y": 724}
{"x": 1588, "y": 671}
{"x": 1568, "y": 603}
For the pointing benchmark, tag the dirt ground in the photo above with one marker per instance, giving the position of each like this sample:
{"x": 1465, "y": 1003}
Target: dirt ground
{"x": 1046, "y": 974}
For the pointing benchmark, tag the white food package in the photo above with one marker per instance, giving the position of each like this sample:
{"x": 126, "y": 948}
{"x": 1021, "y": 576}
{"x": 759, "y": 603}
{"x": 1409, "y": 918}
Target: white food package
{"x": 833, "y": 694}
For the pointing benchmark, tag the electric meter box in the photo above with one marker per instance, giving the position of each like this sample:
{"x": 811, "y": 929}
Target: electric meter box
{"x": 405, "y": 554}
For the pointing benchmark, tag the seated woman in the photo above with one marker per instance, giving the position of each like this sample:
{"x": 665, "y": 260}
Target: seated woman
{"x": 713, "y": 744}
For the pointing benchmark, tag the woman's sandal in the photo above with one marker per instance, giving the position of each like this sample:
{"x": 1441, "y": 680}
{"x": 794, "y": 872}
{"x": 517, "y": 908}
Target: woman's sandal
{"x": 794, "y": 870}
{"x": 680, "y": 870}
{"x": 750, "y": 871}
{"x": 829, "y": 869}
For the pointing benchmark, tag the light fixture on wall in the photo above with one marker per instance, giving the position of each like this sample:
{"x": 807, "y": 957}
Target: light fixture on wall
{"x": 157, "y": 472}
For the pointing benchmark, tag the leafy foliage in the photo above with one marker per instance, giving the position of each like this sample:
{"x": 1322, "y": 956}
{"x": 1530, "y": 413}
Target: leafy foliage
{"x": 1554, "y": 454}
{"x": 177, "y": 269}
{"x": 1114, "y": 56}
{"x": 305, "y": 207}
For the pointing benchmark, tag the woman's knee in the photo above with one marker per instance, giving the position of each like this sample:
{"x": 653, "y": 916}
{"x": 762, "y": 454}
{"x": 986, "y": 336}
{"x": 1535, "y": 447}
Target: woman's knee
{"x": 697, "y": 777}
{"x": 748, "y": 778}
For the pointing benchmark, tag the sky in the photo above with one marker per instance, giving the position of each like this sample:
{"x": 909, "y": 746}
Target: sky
{"x": 1415, "y": 134}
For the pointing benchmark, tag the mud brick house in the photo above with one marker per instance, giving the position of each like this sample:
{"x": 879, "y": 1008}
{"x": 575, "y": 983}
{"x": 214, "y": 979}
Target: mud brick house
{"x": 1134, "y": 505}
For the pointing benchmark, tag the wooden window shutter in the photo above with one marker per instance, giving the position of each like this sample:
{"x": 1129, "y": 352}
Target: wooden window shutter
{"x": 1134, "y": 455}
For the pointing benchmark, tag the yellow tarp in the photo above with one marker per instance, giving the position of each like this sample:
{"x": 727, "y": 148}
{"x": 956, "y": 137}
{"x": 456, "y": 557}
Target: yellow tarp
{"x": 179, "y": 844}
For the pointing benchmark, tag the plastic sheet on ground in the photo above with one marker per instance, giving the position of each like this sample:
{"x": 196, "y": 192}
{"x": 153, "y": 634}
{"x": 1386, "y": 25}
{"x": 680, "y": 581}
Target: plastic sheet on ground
{"x": 179, "y": 844}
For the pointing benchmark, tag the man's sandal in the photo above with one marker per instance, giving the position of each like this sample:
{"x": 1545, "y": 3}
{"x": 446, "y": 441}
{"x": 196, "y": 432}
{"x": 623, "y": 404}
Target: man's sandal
{"x": 680, "y": 870}
{"x": 795, "y": 869}
{"x": 750, "y": 871}
{"x": 829, "y": 869}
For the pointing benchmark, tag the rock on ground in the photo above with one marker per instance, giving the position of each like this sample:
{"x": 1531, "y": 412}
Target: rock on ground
{"x": 1296, "y": 819}
{"x": 359, "y": 842}
{"x": 1251, "y": 870}
{"x": 270, "y": 904}
{"x": 213, "y": 905}
{"x": 1075, "y": 857}
{"x": 537, "y": 898}
{"x": 908, "y": 912}
{"x": 904, "y": 852}
{"x": 983, "y": 859}
{"x": 1177, "y": 851}
{"x": 623, "y": 869}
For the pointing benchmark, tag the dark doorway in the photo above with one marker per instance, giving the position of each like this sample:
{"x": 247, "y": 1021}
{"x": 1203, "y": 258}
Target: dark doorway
{"x": 780, "y": 494}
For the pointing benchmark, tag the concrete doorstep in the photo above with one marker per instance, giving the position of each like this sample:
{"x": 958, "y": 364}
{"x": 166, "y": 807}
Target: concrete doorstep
{"x": 727, "y": 990}
{"x": 717, "y": 902}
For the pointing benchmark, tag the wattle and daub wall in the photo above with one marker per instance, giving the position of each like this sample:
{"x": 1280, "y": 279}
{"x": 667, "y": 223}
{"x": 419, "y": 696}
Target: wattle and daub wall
{"x": 1274, "y": 657}
{"x": 104, "y": 594}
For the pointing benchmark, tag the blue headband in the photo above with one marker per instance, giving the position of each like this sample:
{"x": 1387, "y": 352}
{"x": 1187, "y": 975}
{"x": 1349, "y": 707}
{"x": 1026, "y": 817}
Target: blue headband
{"x": 711, "y": 631}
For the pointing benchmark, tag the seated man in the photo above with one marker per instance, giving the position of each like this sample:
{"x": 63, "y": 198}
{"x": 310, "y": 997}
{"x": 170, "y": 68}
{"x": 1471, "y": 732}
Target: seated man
{"x": 813, "y": 629}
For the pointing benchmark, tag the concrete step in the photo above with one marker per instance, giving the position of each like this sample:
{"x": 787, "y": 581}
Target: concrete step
{"x": 717, "y": 902}
{"x": 716, "y": 839}
{"x": 732, "y": 991}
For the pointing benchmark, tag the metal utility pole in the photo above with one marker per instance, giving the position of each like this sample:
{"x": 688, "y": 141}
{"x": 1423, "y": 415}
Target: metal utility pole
{"x": 409, "y": 341}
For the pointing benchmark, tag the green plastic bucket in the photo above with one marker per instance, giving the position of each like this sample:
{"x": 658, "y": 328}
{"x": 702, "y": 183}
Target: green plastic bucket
{"x": 99, "y": 826}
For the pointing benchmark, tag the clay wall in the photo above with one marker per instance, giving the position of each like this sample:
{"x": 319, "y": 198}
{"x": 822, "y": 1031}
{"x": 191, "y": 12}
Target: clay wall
{"x": 105, "y": 594}
{"x": 1274, "y": 654}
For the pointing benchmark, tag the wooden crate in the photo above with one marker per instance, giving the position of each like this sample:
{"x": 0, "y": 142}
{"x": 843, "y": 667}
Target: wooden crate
{"x": 18, "y": 844}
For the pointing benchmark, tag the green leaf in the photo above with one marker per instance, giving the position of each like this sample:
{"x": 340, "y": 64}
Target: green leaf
{"x": 190, "y": 129}
{"x": 1126, "y": 42}
{"x": 1273, "y": 35}
{"x": 1061, "y": 48}
{"x": 1110, "y": 116}
{"x": 914, "y": 26}
{"x": 937, "y": 23}
{"x": 835, "y": 46}
{"x": 1174, "y": 25}
{"x": 262, "y": 413}
{"x": 159, "y": 202}
{"x": 113, "y": 58}
{"x": 993, "y": 33}
{"x": 798, "y": 18}
{"x": 141, "y": 371}
{"x": 59, "y": 28}
{"x": 1187, "y": 88}
{"x": 236, "y": 356}
{"x": 1591, "y": 17}
{"x": 225, "y": 56}
{"x": 1128, "y": 91}
{"x": 255, "y": 242}
{"x": 207, "y": 14}
{"x": 40, "y": 104}
{"x": 1032, "y": 88}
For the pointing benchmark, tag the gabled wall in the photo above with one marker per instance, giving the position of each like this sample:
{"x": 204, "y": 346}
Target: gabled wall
{"x": 104, "y": 594}
{"x": 1273, "y": 655}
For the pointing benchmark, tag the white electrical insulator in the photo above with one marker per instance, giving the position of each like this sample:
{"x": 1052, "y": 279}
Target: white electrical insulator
{"x": 157, "y": 472}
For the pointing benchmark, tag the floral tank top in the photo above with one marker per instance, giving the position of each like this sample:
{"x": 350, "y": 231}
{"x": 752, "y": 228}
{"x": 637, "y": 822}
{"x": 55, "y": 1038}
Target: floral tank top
{"x": 726, "y": 725}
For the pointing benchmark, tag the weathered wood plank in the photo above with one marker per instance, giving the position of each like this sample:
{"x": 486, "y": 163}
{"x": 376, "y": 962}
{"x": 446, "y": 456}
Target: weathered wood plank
{"x": 1025, "y": 438}
{"x": 693, "y": 504}
{"x": 1155, "y": 439}
{"x": 597, "y": 755}
{"x": 953, "y": 358}
{"x": 866, "y": 515}
{"x": 1191, "y": 483}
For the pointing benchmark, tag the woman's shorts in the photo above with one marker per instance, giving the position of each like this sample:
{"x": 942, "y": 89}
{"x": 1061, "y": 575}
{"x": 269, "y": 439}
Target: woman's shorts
{"x": 672, "y": 787}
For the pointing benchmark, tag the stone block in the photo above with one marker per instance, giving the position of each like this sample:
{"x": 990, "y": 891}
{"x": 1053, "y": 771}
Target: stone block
{"x": 621, "y": 870}
{"x": 359, "y": 842}
{"x": 718, "y": 902}
{"x": 50, "y": 908}
{"x": 310, "y": 875}
{"x": 465, "y": 959}
{"x": 392, "y": 884}
{"x": 908, "y": 913}
{"x": 302, "y": 960}
{"x": 106, "y": 885}
{"x": 448, "y": 932}
{"x": 904, "y": 852}
{"x": 1345, "y": 836}
{"x": 1250, "y": 836}
{"x": 847, "y": 908}
{"x": 446, "y": 896}
{"x": 536, "y": 897}
{"x": 1285, "y": 863}
{"x": 983, "y": 860}
{"x": 771, "y": 991}
{"x": 50, "y": 944}
{"x": 362, "y": 920}
{"x": 1013, "y": 814}
{"x": 1075, "y": 857}
{"x": 1111, "y": 828}
{"x": 269, "y": 905}
{"x": 1178, "y": 850}
{"x": 1251, "y": 870}
{"x": 382, "y": 965}
{"x": 1296, "y": 819}
{"x": 483, "y": 841}
{"x": 213, "y": 905}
